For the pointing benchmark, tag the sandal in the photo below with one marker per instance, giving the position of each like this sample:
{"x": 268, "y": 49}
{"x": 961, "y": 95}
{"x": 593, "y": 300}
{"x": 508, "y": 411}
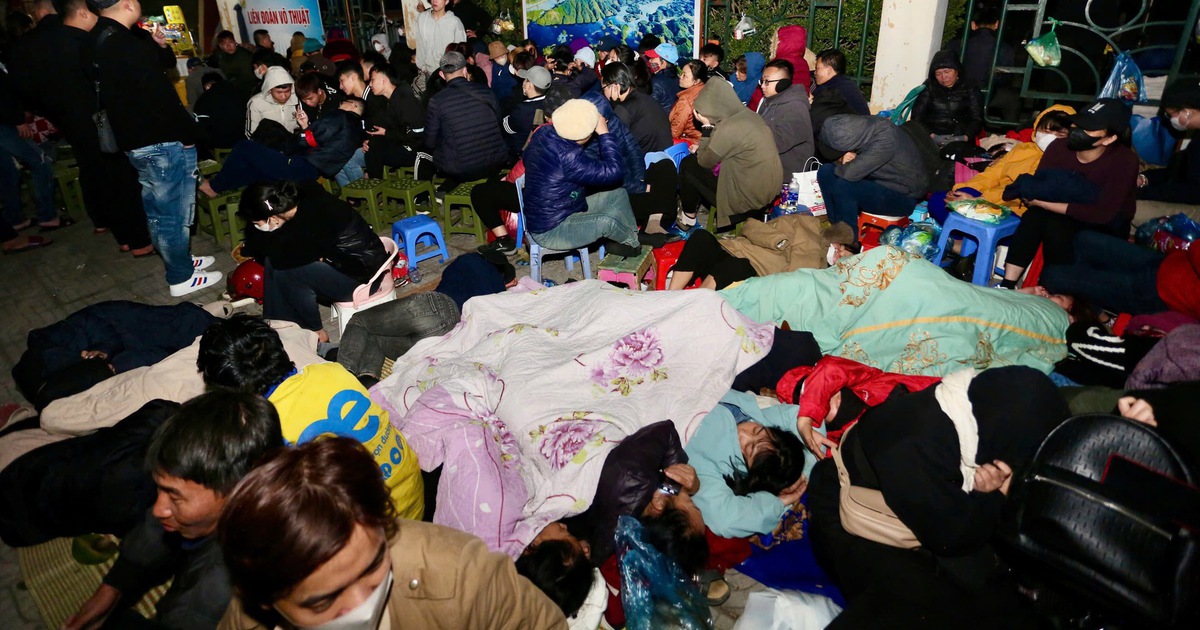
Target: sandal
{"x": 24, "y": 225}
{"x": 714, "y": 587}
{"x": 63, "y": 221}
{"x": 31, "y": 243}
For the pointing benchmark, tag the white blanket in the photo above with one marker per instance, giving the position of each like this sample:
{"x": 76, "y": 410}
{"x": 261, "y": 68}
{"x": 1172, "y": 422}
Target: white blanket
{"x": 535, "y": 388}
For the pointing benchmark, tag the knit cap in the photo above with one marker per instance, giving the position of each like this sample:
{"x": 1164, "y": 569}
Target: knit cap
{"x": 576, "y": 119}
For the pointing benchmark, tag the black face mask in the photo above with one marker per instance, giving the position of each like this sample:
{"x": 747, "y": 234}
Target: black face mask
{"x": 1079, "y": 140}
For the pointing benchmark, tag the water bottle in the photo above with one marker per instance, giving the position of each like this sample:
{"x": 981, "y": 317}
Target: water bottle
{"x": 793, "y": 194}
{"x": 783, "y": 195}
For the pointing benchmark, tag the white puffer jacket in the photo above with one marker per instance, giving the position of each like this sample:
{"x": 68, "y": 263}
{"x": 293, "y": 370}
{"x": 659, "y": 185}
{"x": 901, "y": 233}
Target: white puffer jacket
{"x": 264, "y": 106}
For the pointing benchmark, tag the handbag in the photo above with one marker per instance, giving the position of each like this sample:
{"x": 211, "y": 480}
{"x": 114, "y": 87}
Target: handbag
{"x": 104, "y": 132}
{"x": 810, "y": 194}
{"x": 865, "y": 513}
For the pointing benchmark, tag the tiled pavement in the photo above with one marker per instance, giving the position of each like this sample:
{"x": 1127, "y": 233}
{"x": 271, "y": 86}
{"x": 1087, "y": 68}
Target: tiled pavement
{"x": 43, "y": 286}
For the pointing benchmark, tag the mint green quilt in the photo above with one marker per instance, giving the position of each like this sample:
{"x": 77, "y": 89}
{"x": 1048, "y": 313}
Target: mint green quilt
{"x": 899, "y": 313}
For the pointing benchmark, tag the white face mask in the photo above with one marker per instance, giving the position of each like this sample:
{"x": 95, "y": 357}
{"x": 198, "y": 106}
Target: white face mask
{"x": 831, "y": 255}
{"x": 367, "y": 615}
{"x": 265, "y": 226}
{"x": 1179, "y": 123}
{"x": 1043, "y": 139}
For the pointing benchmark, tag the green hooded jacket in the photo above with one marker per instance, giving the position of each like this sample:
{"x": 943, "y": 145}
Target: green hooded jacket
{"x": 744, "y": 147}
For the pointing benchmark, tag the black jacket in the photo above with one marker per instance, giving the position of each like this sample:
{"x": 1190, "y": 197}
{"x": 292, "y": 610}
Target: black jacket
{"x": 200, "y": 587}
{"x": 885, "y": 153}
{"x": 977, "y": 58}
{"x": 221, "y": 116}
{"x": 957, "y": 110}
{"x": 404, "y": 117}
{"x": 330, "y": 141}
{"x": 12, "y": 112}
{"x": 323, "y": 227}
{"x": 912, "y": 454}
{"x": 848, "y": 89}
{"x": 49, "y": 74}
{"x": 519, "y": 123}
{"x": 462, "y": 126}
{"x": 630, "y": 476}
{"x": 143, "y": 107}
{"x": 94, "y": 483}
{"x": 647, "y": 120}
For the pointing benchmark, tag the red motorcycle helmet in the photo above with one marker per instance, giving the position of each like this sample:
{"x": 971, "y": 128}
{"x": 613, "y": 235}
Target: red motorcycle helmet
{"x": 247, "y": 281}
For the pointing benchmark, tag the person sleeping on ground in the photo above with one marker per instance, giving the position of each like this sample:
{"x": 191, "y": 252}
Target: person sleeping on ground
{"x": 899, "y": 313}
{"x": 941, "y": 461}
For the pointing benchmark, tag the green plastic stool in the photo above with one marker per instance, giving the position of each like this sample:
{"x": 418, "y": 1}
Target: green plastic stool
{"x": 221, "y": 154}
{"x": 67, "y": 177}
{"x": 468, "y": 222}
{"x": 370, "y": 192}
{"x": 218, "y": 216}
{"x": 401, "y": 172}
{"x": 208, "y": 168}
{"x": 400, "y": 197}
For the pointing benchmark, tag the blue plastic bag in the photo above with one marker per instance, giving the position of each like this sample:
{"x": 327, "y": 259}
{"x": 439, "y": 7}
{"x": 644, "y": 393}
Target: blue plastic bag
{"x": 655, "y": 592}
{"x": 1152, "y": 139}
{"x": 1125, "y": 82}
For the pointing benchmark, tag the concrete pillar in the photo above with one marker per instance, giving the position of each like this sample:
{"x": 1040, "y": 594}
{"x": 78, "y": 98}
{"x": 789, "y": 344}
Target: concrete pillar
{"x": 910, "y": 31}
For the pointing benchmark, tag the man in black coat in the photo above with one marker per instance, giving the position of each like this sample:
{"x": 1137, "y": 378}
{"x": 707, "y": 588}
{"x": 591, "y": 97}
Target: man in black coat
{"x": 221, "y": 113}
{"x": 51, "y": 78}
{"x": 395, "y": 136}
{"x": 155, "y": 131}
{"x": 462, "y": 126}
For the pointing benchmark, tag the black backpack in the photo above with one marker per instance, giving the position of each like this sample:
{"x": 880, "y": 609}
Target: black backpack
{"x": 1109, "y": 514}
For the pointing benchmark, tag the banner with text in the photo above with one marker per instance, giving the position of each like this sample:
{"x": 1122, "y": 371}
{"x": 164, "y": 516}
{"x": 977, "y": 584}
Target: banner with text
{"x": 280, "y": 18}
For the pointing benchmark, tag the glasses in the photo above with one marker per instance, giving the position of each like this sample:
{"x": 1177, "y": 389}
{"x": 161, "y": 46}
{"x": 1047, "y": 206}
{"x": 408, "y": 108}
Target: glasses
{"x": 767, "y": 81}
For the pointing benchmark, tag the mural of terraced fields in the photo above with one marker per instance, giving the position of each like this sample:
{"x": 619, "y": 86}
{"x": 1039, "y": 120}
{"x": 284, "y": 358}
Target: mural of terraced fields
{"x": 553, "y": 22}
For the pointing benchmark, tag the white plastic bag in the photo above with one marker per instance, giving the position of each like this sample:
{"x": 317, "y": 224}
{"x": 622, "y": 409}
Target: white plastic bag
{"x": 771, "y": 609}
{"x": 810, "y": 191}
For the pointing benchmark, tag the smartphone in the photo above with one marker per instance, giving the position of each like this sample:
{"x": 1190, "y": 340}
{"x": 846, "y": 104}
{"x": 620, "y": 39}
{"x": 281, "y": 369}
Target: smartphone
{"x": 666, "y": 485}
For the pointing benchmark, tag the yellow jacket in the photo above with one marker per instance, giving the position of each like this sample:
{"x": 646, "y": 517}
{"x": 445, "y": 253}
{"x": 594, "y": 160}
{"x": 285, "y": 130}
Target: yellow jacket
{"x": 1023, "y": 158}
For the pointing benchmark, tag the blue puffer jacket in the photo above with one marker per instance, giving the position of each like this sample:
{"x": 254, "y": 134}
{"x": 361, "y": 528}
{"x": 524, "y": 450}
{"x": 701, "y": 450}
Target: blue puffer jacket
{"x": 556, "y": 173}
{"x": 633, "y": 159}
{"x": 754, "y": 71}
{"x": 665, "y": 88}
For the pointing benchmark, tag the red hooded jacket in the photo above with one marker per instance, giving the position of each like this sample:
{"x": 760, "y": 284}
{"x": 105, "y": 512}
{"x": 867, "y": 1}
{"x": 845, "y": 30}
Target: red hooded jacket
{"x": 793, "y": 40}
{"x": 819, "y": 383}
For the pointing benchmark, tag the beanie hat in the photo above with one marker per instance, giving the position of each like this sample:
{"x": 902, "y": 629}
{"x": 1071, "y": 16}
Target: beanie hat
{"x": 587, "y": 56}
{"x": 576, "y": 119}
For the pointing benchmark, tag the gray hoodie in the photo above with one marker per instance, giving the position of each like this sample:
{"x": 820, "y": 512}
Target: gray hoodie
{"x": 885, "y": 154}
{"x": 264, "y": 106}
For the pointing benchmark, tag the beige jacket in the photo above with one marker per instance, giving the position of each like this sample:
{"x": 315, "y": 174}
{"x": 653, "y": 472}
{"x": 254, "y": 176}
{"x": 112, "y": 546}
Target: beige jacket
{"x": 791, "y": 242}
{"x": 444, "y": 578}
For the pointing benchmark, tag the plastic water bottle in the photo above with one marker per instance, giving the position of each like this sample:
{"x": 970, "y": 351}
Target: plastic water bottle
{"x": 793, "y": 195}
{"x": 783, "y": 195}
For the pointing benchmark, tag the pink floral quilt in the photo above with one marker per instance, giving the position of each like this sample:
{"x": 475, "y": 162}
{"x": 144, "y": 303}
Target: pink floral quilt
{"x": 523, "y": 400}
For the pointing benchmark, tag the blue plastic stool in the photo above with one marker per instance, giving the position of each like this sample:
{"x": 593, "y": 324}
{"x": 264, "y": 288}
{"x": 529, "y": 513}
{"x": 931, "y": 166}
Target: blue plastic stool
{"x": 420, "y": 230}
{"x": 982, "y": 237}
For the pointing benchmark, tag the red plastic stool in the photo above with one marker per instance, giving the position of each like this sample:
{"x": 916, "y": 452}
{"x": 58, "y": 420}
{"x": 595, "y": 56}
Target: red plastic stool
{"x": 665, "y": 258}
{"x": 876, "y": 222}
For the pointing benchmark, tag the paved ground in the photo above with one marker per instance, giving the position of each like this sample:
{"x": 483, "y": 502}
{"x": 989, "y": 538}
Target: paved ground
{"x": 80, "y": 268}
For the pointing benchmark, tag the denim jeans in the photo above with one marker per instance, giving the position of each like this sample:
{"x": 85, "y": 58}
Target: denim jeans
{"x": 392, "y": 328}
{"x": 1110, "y": 273}
{"x": 844, "y": 198}
{"x": 608, "y": 216}
{"x": 291, "y": 294}
{"x": 41, "y": 166}
{"x": 352, "y": 171}
{"x": 251, "y": 162}
{"x": 168, "y": 175}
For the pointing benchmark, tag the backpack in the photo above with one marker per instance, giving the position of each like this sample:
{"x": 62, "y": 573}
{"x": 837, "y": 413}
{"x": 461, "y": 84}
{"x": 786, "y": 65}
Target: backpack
{"x": 1108, "y": 513}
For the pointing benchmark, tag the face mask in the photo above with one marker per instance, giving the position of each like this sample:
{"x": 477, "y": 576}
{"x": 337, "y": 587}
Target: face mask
{"x": 1079, "y": 140}
{"x": 367, "y": 615}
{"x": 258, "y": 74}
{"x": 265, "y": 226}
{"x": 1179, "y": 123}
{"x": 831, "y": 255}
{"x": 1043, "y": 139}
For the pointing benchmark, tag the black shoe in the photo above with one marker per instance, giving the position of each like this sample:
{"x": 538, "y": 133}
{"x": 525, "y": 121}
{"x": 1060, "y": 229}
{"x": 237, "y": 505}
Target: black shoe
{"x": 653, "y": 240}
{"x": 506, "y": 245}
{"x": 622, "y": 250}
{"x": 367, "y": 380}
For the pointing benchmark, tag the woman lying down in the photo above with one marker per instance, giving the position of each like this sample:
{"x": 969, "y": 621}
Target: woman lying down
{"x": 531, "y": 404}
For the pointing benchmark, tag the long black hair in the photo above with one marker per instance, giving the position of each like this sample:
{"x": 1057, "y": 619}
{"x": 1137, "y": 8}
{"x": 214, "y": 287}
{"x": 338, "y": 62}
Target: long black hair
{"x": 561, "y": 572}
{"x": 772, "y": 470}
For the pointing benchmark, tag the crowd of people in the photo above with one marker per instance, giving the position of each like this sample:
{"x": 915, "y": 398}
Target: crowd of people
{"x": 279, "y": 486}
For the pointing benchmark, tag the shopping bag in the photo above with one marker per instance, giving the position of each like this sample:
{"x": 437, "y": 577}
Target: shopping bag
{"x": 810, "y": 191}
{"x": 1045, "y": 49}
{"x": 1125, "y": 81}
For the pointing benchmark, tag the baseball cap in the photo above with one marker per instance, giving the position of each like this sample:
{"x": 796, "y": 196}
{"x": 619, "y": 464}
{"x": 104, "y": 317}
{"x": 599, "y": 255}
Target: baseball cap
{"x": 1106, "y": 113}
{"x": 607, "y": 43}
{"x": 538, "y": 76}
{"x": 312, "y": 45}
{"x": 452, "y": 62}
{"x": 667, "y": 52}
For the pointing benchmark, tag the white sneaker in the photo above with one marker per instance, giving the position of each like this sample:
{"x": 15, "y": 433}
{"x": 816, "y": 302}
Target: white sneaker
{"x": 199, "y": 280}
{"x": 684, "y": 220}
{"x": 202, "y": 262}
